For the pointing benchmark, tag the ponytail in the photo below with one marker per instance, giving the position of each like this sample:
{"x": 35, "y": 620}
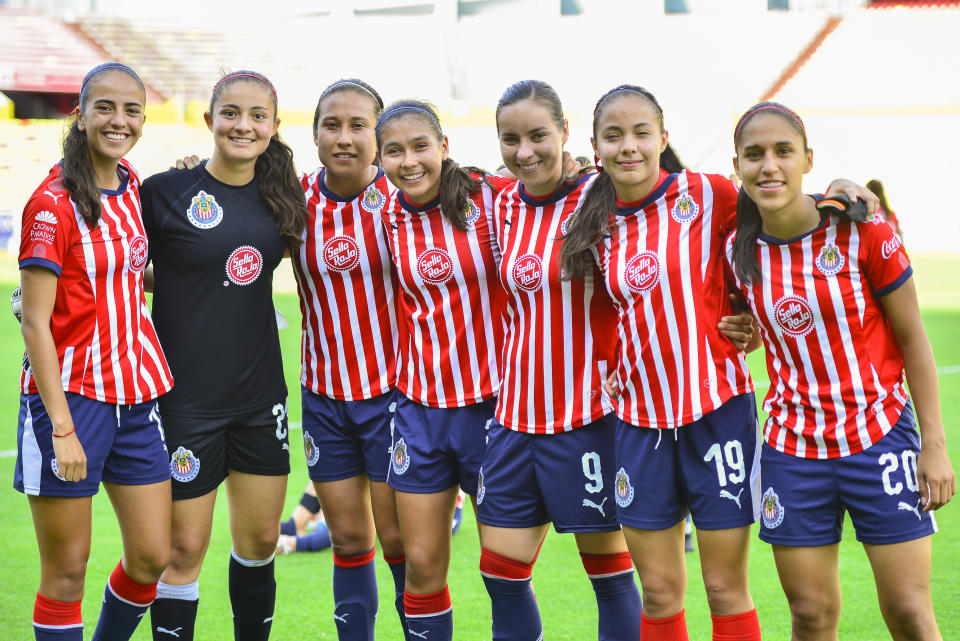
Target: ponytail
{"x": 588, "y": 226}
{"x": 749, "y": 224}
{"x": 78, "y": 175}
{"x": 281, "y": 191}
{"x": 456, "y": 185}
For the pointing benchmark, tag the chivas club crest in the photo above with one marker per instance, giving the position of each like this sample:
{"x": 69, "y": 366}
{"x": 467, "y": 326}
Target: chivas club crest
{"x": 481, "y": 490}
{"x": 685, "y": 209}
{"x": 184, "y": 466}
{"x": 310, "y": 449}
{"x": 830, "y": 260}
{"x": 372, "y": 200}
{"x": 623, "y": 489}
{"x": 204, "y": 212}
{"x": 471, "y": 212}
{"x": 401, "y": 459}
{"x": 772, "y": 513}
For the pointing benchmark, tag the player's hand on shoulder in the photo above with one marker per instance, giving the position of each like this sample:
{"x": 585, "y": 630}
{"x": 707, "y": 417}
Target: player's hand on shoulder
{"x": 187, "y": 162}
{"x": 935, "y": 474}
{"x": 850, "y": 189}
{"x": 71, "y": 459}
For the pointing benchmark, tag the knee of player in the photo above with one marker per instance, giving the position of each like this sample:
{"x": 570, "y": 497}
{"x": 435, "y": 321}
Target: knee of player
{"x": 424, "y": 566}
{"x": 910, "y": 618}
{"x": 812, "y": 614}
{"x": 146, "y": 566}
{"x": 725, "y": 592}
{"x": 64, "y": 581}
{"x": 349, "y": 541}
{"x": 663, "y": 592}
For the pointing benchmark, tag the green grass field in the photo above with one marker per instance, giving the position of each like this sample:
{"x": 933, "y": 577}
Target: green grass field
{"x": 304, "y": 599}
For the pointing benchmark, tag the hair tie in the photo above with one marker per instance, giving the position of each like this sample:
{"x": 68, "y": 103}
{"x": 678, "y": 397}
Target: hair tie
{"x": 106, "y": 66}
{"x": 244, "y": 74}
{"x": 394, "y": 110}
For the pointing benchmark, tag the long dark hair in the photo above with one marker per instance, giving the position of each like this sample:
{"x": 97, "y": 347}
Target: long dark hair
{"x": 749, "y": 222}
{"x": 77, "y": 167}
{"x": 592, "y": 221}
{"x": 276, "y": 176}
{"x": 456, "y": 182}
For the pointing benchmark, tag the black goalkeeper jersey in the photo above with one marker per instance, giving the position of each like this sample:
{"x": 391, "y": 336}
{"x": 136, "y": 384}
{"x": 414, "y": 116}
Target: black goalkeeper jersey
{"x": 214, "y": 248}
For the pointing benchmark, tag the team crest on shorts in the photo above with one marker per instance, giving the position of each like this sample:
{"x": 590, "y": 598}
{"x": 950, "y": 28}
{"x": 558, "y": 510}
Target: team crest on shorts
{"x": 138, "y": 253}
{"x": 623, "y": 489}
{"x": 341, "y": 253}
{"x": 830, "y": 261}
{"x": 772, "y": 513}
{"x": 401, "y": 460}
{"x": 184, "y": 466}
{"x": 435, "y": 266}
{"x": 528, "y": 272}
{"x": 481, "y": 490}
{"x": 685, "y": 209}
{"x": 204, "y": 212}
{"x": 56, "y": 469}
{"x": 372, "y": 200}
{"x": 471, "y": 212}
{"x": 794, "y": 316}
{"x": 310, "y": 449}
{"x": 244, "y": 265}
{"x": 642, "y": 272}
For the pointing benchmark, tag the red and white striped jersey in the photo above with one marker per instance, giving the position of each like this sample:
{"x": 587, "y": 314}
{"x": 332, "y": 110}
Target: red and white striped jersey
{"x": 560, "y": 333}
{"x": 348, "y": 290}
{"x": 106, "y": 343}
{"x": 663, "y": 265}
{"x": 452, "y": 301}
{"x": 836, "y": 372}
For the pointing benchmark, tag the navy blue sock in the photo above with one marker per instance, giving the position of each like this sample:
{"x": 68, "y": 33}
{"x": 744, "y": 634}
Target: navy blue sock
{"x": 124, "y": 603}
{"x": 516, "y": 615}
{"x": 288, "y": 527}
{"x": 355, "y": 596}
{"x": 173, "y": 614}
{"x": 429, "y": 616}
{"x": 253, "y": 594}
{"x": 398, "y": 568}
{"x": 315, "y": 541}
{"x": 618, "y": 599}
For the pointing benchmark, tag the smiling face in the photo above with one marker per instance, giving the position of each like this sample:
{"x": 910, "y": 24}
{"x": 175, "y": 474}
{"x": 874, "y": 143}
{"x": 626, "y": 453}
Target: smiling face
{"x": 243, "y": 118}
{"x": 531, "y": 145}
{"x": 771, "y": 160}
{"x": 412, "y": 156}
{"x": 628, "y": 140}
{"x": 112, "y": 116}
{"x": 344, "y": 135}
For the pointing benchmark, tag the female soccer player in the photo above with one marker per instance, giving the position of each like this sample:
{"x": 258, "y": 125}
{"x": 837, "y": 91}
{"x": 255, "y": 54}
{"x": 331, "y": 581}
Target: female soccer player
{"x": 444, "y": 248}
{"x": 550, "y": 449}
{"x": 93, "y": 368}
{"x": 348, "y": 290}
{"x": 838, "y": 314}
{"x": 217, "y": 232}
{"x": 660, "y": 252}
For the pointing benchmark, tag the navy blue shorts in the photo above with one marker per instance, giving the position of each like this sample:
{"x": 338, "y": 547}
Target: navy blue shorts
{"x": 203, "y": 450}
{"x": 567, "y": 478}
{"x": 124, "y": 444}
{"x": 342, "y": 439}
{"x": 437, "y": 448}
{"x": 804, "y": 499}
{"x": 709, "y": 468}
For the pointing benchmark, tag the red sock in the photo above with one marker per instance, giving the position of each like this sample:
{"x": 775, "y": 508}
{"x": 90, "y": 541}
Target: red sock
{"x": 126, "y": 589}
{"x": 666, "y": 629}
{"x": 737, "y": 627}
{"x": 50, "y": 613}
{"x": 426, "y": 604}
{"x": 601, "y": 565}
{"x": 354, "y": 561}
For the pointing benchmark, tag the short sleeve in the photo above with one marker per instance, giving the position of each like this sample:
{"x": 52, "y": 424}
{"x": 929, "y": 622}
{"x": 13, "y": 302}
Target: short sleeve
{"x": 883, "y": 257}
{"x": 149, "y": 215}
{"x": 724, "y": 204}
{"x": 46, "y": 231}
